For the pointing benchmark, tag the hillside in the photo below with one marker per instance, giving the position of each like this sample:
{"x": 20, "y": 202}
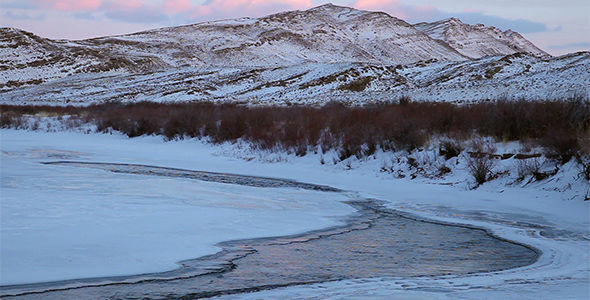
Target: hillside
{"x": 322, "y": 54}
{"x": 475, "y": 41}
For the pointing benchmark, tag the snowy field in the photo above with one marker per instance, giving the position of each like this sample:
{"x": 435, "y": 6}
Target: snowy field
{"x": 60, "y": 222}
{"x": 65, "y": 222}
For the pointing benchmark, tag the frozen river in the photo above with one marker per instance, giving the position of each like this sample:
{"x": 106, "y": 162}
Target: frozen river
{"x": 372, "y": 242}
{"x": 146, "y": 223}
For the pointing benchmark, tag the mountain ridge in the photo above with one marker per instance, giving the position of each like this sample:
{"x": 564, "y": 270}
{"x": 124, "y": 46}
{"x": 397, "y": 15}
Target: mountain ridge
{"x": 326, "y": 33}
{"x": 475, "y": 41}
{"x": 327, "y": 51}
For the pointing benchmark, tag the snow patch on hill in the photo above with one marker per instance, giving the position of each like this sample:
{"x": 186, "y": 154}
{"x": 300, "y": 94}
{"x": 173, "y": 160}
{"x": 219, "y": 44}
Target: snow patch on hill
{"x": 516, "y": 75}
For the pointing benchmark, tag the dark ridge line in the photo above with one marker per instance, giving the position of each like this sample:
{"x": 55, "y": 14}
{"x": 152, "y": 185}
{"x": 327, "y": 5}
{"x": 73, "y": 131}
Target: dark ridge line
{"x": 207, "y": 176}
{"x": 228, "y": 266}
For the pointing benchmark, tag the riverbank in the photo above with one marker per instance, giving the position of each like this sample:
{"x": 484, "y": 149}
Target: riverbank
{"x": 540, "y": 214}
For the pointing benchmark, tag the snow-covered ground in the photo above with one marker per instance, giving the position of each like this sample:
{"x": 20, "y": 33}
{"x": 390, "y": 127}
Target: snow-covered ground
{"x": 63, "y": 222}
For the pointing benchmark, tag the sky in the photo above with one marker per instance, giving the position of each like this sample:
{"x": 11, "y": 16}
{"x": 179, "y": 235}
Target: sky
{"x": 558, "y": 27}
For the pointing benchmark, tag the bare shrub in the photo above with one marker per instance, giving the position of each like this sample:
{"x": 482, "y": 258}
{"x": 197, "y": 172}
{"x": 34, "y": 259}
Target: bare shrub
{"x": 232, "y": 125}
{"x": 450, "y": 148}
{"x": 410, "y": 138}
{"x": 480, "y": 168}
{"x": 527, "y": 167}
{"x": 12, "y": 120}
{"x": 481, "y": 145}
{"x": 404, "y": 100}
{"x": 584, "y": 165}
{"x": 561, "y": 145}
{"x": 481, "y": 162}
{"x": 560, "y": 126}
{"x": 443, "y": 170}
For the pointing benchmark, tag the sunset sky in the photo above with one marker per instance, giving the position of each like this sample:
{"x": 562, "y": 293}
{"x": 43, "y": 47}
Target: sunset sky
{"x": 558, "y": 27}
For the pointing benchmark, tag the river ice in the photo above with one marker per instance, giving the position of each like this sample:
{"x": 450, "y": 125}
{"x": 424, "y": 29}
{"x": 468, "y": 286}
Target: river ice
{"x": 60, "y": 222}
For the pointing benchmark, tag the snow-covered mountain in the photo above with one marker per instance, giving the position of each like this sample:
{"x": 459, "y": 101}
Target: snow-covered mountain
{"x": 321, "y": 54}
{"x": 475, "y": 41}
{"x": 515, "y": 75}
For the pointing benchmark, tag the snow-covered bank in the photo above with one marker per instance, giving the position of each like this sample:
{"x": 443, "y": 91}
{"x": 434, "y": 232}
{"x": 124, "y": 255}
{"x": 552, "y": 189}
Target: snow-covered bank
{"x": 63, "y": 223}
{"x": 544, "y": 214}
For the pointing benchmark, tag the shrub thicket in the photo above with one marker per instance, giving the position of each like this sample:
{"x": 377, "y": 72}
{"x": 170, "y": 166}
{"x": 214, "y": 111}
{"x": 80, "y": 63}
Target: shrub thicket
{"x": 561, "y": 126}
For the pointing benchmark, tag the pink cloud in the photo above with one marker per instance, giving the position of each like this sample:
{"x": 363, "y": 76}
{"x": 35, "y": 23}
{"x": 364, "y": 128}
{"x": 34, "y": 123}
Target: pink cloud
{"x": 129, "y": 5}
{"x": 71, "y": 5}
{"x": 373, "y": 4}
{"x": 201, "y": 11}
{"x": 233, "y": 4}
{"x": 174, "y": 9}
{"x": 227, "y": 9}
{"x": 186, "y": 11}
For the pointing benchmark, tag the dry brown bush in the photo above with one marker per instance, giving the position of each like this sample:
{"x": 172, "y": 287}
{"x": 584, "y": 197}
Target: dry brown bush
{"x": 560, "y": 126}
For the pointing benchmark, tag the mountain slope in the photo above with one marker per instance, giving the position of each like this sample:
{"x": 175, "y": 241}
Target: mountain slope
{"x": 475, "y": 41}
{"x": 327, "y": 53}
{"x": 29, "y": 59}
{"x": 516, "y": 75}
{"x": 326, "y": 33}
